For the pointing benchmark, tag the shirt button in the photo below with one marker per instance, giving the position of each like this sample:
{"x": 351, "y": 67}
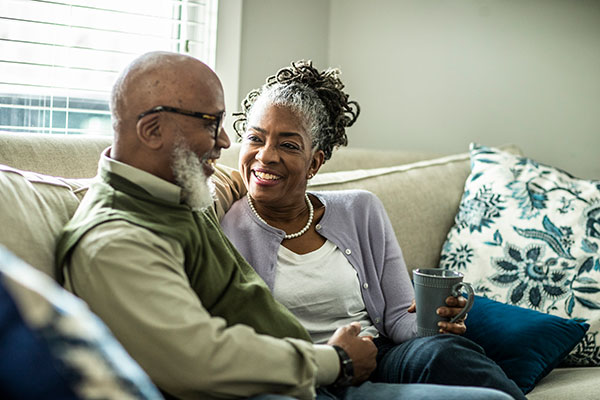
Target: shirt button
{"x": 366, "y": 285}
{"x": 348, "y": 251}
{"x": 318, "y": 226}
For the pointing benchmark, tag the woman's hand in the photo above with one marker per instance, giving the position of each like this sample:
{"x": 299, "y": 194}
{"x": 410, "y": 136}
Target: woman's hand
{"x": 413, "y": 307}
{"x": 454, "y": 306}
{"x": 360, "y": 349}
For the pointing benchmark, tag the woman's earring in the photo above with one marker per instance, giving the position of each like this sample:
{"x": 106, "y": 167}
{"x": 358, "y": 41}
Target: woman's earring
{"x": 310, "y": 176}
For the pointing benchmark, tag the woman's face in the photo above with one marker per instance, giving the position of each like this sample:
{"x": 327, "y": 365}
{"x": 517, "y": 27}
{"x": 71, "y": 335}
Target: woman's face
{"x": 276, "y": 156}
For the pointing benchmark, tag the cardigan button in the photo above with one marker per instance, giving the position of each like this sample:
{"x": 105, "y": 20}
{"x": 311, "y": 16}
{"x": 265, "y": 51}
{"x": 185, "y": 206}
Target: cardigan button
{"x": 348, "y": 251}
{"x": 318, "y": 227}
{"x": 365, "y": 285}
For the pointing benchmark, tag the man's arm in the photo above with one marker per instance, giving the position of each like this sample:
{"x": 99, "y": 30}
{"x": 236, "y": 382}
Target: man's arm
{"x": 229, "y": 187}
{"x": 135, "y": 281}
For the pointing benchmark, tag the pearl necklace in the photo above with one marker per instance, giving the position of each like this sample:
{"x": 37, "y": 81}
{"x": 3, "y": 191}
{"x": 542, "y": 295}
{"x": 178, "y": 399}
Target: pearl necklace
{"x": 311, "y": 213}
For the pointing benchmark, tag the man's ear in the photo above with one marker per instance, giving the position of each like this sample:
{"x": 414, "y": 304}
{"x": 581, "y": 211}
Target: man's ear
{"x": 316, "y": 162}
{"x": 148, "y": 131}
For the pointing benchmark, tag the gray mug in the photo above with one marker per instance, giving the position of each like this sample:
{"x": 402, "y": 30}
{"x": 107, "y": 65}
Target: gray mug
{"x": 432, "y": 287}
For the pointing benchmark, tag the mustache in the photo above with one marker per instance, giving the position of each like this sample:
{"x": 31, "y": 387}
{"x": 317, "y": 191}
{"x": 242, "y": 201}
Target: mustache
{"x": 210, "y": 155}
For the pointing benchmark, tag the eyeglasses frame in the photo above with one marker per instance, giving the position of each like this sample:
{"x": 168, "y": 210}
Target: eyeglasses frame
{"x": 218, "y": 118}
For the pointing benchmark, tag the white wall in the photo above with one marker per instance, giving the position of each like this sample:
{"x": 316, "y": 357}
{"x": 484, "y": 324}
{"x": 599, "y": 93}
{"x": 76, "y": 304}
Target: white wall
{"x": 227, "y": 62}
{"x": 271, "y": 34}
{"x": 434, "y": 75}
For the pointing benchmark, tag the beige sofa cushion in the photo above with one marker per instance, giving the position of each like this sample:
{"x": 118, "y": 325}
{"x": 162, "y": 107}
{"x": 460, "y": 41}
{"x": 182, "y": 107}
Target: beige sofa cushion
{"x": 421, "y": 200}
{"x": 35, "y": 208}
{"x": 69, "y": 156}
{"x": 568, "y": 383}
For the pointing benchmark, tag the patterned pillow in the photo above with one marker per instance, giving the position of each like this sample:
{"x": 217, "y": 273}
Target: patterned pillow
{"x": 53, "y": 347}
{"x": 529, "y": 235}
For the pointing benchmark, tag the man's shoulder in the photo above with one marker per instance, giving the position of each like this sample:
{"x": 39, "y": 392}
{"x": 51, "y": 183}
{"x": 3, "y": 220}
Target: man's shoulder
{"x": 121, "y": 233}
{"x": 118, "y": 229}
{"x": 115, "y": 230}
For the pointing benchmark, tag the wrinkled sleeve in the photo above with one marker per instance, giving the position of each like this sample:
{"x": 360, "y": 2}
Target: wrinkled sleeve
{"x": 134, "y": 280}
{"x": 398, "y": 292}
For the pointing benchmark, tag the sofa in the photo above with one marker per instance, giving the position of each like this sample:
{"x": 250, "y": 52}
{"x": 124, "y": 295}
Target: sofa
{"x": 44, "y": 177}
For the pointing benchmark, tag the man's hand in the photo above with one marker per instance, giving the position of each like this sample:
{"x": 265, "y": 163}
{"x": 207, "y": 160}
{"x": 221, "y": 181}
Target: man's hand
{"x": 361, "y": 350}
{"x": 455, "y": 305}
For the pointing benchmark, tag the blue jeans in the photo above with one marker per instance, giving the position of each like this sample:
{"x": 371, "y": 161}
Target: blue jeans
{"x": 444, "y": 367}
{"x": 390, "y": 391}
{"x": 443, "y": 360}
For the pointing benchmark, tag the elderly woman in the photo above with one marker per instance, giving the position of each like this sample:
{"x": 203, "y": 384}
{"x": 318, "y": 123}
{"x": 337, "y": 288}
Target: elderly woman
{"x": 332, "y": 257}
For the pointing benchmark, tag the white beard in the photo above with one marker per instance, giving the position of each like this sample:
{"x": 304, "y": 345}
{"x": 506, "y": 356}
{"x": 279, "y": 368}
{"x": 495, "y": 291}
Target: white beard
{"x": 198, "y": 190}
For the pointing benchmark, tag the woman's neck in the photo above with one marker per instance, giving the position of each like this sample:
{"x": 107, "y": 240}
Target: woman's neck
{"x": 282, "y": 213}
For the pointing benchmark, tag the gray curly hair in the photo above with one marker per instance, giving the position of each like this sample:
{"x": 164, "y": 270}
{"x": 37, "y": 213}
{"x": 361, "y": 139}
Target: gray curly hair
{"x": 316, "y": 97}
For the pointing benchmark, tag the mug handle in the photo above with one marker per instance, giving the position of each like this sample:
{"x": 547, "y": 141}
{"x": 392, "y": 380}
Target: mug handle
{"x": 470, "y": 299}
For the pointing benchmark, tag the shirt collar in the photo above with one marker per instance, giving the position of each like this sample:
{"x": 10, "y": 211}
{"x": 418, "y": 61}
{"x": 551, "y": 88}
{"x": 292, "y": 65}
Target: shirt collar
{"x": 154, "y": 185}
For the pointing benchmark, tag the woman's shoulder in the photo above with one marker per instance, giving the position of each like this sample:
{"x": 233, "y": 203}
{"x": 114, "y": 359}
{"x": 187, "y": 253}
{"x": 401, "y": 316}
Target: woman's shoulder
{"x": 348, "y": 198}
{"x": 352, "y": 201}
{"x": 350, "y": 207}
{"x": 235, "y": 212}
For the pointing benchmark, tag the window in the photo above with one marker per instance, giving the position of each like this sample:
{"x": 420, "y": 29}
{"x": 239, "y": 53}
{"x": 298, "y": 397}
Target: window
{"x": 59, "y": 59}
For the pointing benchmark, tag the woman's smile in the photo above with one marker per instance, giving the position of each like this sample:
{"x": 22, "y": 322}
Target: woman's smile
{"x": 264, "y": 178}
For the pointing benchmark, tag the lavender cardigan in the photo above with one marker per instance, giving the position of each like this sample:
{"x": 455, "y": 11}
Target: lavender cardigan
{"x": 356, "y": 222}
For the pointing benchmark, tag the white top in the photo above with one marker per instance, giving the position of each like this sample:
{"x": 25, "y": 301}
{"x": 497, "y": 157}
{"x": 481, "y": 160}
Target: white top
{"x": 322, "y": 290}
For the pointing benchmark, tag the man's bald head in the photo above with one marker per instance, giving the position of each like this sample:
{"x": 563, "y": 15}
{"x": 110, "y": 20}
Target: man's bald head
{"x": 159, "y": 78}
{"x": 162, "y": 79}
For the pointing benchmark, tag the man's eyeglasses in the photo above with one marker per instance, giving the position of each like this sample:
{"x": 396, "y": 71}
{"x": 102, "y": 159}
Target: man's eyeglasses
{"x": 217, "y": 118}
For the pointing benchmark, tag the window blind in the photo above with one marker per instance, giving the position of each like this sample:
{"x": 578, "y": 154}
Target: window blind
{"x": 59, "y": 59}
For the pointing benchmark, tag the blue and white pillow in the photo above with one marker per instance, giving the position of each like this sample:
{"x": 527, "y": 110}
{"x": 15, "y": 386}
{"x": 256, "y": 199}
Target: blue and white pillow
{"x": 529, "y": 235}
{"x": 53, "y": 346}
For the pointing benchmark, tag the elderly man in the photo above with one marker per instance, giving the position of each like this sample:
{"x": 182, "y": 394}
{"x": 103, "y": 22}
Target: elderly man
{"x": 146, "y": 252}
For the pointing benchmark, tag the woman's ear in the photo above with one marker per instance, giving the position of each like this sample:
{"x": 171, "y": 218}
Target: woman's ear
{"x": 148, "y": 131}
{"x": 316, "y": 162}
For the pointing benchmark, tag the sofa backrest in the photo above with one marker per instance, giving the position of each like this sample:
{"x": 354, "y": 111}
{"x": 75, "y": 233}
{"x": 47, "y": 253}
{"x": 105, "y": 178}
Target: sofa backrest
{"x": 67, "y": 156}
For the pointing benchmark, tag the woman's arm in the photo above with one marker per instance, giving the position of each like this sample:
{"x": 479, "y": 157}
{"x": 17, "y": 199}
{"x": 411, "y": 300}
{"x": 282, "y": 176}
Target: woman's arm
{"x": 394, "y": 280}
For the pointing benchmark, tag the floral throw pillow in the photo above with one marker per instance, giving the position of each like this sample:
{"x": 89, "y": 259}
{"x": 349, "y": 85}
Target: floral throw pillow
{"x": 529, "y": 235}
